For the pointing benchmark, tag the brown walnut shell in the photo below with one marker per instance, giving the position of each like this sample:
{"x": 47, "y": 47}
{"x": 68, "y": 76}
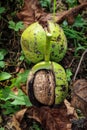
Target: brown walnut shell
{"x": 44, "y": 87}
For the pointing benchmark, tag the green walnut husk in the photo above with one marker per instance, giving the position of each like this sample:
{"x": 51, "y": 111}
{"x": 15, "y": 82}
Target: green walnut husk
{"x": 33, "y": 42}
{"x": 48, "y": 90}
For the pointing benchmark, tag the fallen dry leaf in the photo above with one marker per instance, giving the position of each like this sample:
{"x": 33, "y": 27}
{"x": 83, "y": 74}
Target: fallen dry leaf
{"x": 82, "y": 1}
{"x": 79, "y": 95}
{"x": 70, "y": 110}
{"x": 32, "y": 12}
{"x": 49, "y": 118}
{"x": 19, "y": 115}
{"x": 12, "y": 124}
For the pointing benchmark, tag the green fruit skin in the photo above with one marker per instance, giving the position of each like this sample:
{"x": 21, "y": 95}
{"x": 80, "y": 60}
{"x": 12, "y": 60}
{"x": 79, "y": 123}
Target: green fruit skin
{"x": 33, "y": 42}
{"x": 58, "y": 42}
{"x": 61, "y": 88}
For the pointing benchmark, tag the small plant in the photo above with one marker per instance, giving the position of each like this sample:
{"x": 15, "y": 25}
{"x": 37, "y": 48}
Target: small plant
{"x": 71, "y": 3}
{"x": 68, "y": 74}
{"x": 76, "y": 33}
{"x": 13, "y": 101}
{"x": 9, "y": 101}
{"x": 15, "y": 26}
{"x": 80, "y": 22}
{"x": 3, "y": 75}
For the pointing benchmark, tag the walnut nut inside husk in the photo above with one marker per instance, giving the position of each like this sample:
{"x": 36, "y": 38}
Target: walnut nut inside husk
{"x": 47, "y": 84}
{"x": 44, "y": 86}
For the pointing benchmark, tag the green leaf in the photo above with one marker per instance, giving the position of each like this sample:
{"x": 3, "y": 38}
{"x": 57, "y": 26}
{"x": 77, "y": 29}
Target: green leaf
{"x": 80, "y": 47}
{"x": 12, "y": 25}
{"x": 21, "y": 78}
{"x": 45, "y": 3}
{"x": 21, "y": 57}
{"x": 3, "y": 52}
{"x": 4, "y": 76}
{"x": 9, "y": 108}
{"x": 79, "y": 21}
{"x": 2, "y": 64}
{"x": 15, "y": 26}
{"x": 21, "y": 99}
{"x": 1, "y": 56}
{"x": 71, "y": 3}
{"x": 2, "y": 10}
{"x": 5, "y": 93}
{"x": 68, "y": 74}
{"x": 19, "y": 25}
{"x": 1, "y": 128}
{"x": 12, "y": 102}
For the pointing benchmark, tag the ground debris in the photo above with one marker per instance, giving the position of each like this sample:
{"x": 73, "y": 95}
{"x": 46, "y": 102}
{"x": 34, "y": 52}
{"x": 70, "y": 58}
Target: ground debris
{"x": 79, "y": 89}
{"x": 82, "y": 1}
{"x": 70, "y": 110}
{"x": 80, "y": 124}
{"x": 79, "y": 95}
{"x": 48, "y": 118}
{"x": 12, "y": 124}
{"x": 32, "y": 12}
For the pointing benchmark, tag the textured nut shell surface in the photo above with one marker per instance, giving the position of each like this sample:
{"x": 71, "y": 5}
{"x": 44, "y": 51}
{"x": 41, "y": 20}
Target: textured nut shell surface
{"x": 44, "y": 86}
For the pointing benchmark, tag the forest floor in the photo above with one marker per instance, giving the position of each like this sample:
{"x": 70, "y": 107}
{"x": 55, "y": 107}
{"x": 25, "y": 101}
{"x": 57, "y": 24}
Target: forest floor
{"x": 15, "y": 111}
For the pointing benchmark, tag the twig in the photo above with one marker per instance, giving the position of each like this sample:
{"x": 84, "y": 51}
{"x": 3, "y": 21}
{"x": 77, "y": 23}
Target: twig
{"x": 71, "y": 63}
{"x": 79, "y": 64}
{"x": 70, "y": 14}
